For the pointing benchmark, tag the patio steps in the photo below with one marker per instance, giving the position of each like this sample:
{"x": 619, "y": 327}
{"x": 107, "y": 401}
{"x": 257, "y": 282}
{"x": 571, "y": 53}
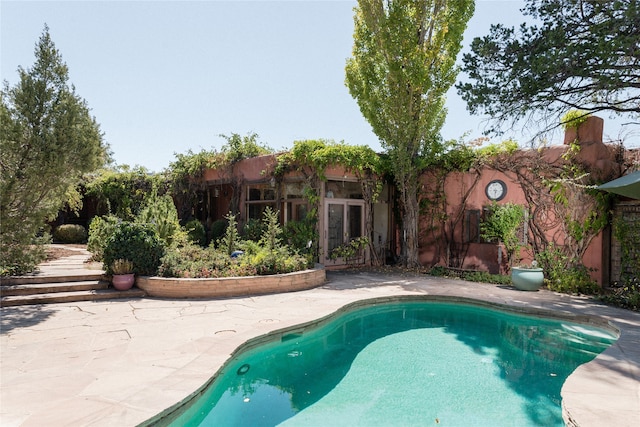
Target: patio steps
{"x": 58, "y": 289}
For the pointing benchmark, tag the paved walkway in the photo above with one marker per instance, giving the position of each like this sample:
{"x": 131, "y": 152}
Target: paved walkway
{"x": 72, "y": 265}
{"x": 119, "y": 363}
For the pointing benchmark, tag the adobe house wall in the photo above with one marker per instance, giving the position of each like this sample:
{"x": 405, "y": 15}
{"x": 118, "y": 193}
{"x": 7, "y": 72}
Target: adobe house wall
{"x": 477, "y": 255}
{"x": 257, "y": 173}
{"x": 471, "y": 186}
{"x": 593, "y": 154}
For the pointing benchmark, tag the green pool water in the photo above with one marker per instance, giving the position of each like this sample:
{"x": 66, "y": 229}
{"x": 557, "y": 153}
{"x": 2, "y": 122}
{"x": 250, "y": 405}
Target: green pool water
{"x": 403, "y": 364}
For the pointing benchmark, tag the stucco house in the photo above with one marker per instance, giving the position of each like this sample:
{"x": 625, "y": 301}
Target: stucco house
{"x": 450, "y": 234}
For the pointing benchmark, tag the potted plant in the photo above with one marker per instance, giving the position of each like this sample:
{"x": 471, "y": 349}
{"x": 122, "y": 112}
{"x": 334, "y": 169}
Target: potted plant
{"x": 123, "y": 276}
{"x": 501, "y": 225}
{"x": 527, "y": 278}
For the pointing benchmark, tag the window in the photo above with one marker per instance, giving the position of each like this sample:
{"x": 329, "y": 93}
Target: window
{"x": 295, "y": 210}
{"x": 259, "y": 197}
{"x": 472, "y": 226}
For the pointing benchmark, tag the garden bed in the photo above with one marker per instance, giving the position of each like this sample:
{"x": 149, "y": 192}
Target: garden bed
{"x": 168, "y": 287}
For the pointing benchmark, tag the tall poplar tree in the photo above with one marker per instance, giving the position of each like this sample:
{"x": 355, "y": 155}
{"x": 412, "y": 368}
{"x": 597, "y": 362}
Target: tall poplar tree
{"x": 402, "y": 65}
{"x": 47, "y": 139}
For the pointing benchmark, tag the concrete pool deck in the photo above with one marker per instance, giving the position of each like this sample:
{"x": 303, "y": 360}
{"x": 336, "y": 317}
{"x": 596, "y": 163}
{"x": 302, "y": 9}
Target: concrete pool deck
{"x": 119, "y": 363}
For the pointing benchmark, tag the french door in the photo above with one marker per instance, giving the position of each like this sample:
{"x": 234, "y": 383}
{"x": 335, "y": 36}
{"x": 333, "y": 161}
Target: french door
{"x": 344, "y": 221}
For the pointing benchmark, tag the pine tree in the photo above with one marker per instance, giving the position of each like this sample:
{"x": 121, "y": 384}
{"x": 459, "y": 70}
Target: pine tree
{"x": 48, "y": 139}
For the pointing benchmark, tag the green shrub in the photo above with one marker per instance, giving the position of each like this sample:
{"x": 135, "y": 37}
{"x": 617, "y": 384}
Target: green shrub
{"x": 249, "y": 247}
{"x": 268, "y": 256}
{"x": 485, "y": 277}
{"x": 161, "y": 213}
{"x": 563, "y": 275}
{"x": 471, "y": 276}
{"x": 237, "y": 269}
{"x": 70, "y": 233}
{"x": 626, "y": 296}
{"x": 278, "y": 261}
{"x": 196, "y": 262}
{"x": 229, "y": 241}
{"x": 438, "y": 271}
{"x": 271, "y": 256}
{"x": 574, "y": 118}
{"x": 18, "y": 258}
{"x": 573, "y": 280}
{"x": 136, "y": 242}
{"x": 196, "y": 232}
{"x": 217, "y": 230}
{"x": 253, "y": 230}
{"x": 270, "y": 238}
{"x": 301, "y": 235}
{"x": 100, "y": 229}
{"x": 501, "y": 224}
{"x": 192, "y": 261}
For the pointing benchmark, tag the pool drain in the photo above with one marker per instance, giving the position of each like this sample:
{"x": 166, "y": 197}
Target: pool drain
{"x": 243, "y": 369}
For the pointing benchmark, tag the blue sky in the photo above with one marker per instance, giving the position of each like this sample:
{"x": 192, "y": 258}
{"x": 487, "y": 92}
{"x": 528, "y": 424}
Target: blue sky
{"x": 163, "y": 77}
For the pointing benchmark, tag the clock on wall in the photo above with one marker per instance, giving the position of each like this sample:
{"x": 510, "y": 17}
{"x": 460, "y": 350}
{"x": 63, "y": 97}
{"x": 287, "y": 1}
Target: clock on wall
{"x": 496, "y": 190}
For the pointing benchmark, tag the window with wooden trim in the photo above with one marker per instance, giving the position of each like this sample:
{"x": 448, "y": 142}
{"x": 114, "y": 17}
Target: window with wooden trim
{"x": 471, "y": 226}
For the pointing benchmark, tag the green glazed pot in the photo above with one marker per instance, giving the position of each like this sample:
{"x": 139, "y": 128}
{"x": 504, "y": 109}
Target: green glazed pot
{"x": 527, "y": 279}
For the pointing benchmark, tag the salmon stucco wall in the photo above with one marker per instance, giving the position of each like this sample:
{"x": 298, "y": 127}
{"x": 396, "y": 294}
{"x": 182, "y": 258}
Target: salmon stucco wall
{"x": 445, "y": 241}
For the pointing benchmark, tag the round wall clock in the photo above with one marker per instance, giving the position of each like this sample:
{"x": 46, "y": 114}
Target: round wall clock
{"x": 496, "y": 190}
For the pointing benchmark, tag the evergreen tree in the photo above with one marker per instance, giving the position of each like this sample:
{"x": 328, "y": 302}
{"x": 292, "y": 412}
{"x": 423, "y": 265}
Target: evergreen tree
{"x": 48, "y": 139}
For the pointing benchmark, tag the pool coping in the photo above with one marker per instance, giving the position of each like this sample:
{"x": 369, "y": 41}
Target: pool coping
{"x": 124, "y": 362}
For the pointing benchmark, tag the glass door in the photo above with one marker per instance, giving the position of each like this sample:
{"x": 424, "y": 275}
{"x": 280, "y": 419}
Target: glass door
{"x": 344, "y": 221}
{"x": 335, "y": 226}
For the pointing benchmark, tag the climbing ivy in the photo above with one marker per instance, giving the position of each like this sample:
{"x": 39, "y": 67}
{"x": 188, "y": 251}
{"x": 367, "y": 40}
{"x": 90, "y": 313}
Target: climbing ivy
{"x": 186, "y": 173}
{"x": 574, "y": 118}
{"x": 627, "y": 233}
{"x": 242, "y": 147}
{"x": 121, "y": 191}
{"x": 319, "y": 154}
{"x": 313, "y": 157}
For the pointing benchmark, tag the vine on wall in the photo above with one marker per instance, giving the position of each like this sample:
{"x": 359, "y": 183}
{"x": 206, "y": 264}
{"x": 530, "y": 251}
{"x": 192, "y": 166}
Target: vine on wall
{"x": 444, "y": 215}
{"x": 627, "y": 233}
{"x": 312, "y": 157}
{"x": 501, "y": 224}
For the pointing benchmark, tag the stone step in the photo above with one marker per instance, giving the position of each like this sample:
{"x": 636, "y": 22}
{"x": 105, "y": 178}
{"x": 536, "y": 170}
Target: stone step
{"x": 50, "y": 288}
{"x": 38, "y": 278}
{"x": 59, "y": 297}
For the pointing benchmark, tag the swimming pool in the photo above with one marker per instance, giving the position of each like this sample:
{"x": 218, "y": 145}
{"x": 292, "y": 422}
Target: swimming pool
{"x": 402, "y": 363}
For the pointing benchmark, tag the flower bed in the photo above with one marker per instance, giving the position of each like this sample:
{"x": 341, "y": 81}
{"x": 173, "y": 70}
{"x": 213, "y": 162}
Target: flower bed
{"x": 231, "y": 286}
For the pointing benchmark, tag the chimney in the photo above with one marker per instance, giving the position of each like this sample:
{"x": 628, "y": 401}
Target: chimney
{"x": 587, "y": 133}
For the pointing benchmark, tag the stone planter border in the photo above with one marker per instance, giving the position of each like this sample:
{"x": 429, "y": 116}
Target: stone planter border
{"x": 225, "y": 287}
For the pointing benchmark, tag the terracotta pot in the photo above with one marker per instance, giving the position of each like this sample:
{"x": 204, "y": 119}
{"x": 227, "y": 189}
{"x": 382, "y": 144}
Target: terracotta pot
{"x": 122, "y": 282}
{"x": 527, "y": 279}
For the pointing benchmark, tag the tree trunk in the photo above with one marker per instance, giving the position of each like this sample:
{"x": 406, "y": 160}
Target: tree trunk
{"x": 410, "y": 213}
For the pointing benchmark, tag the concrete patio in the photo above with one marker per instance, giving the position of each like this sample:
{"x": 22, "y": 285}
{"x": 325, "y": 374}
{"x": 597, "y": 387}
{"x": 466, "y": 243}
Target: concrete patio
{"x": 119, "y": 363}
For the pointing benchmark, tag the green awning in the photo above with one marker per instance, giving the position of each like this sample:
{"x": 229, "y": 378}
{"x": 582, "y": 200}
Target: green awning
{"x": 628, "y": 185}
